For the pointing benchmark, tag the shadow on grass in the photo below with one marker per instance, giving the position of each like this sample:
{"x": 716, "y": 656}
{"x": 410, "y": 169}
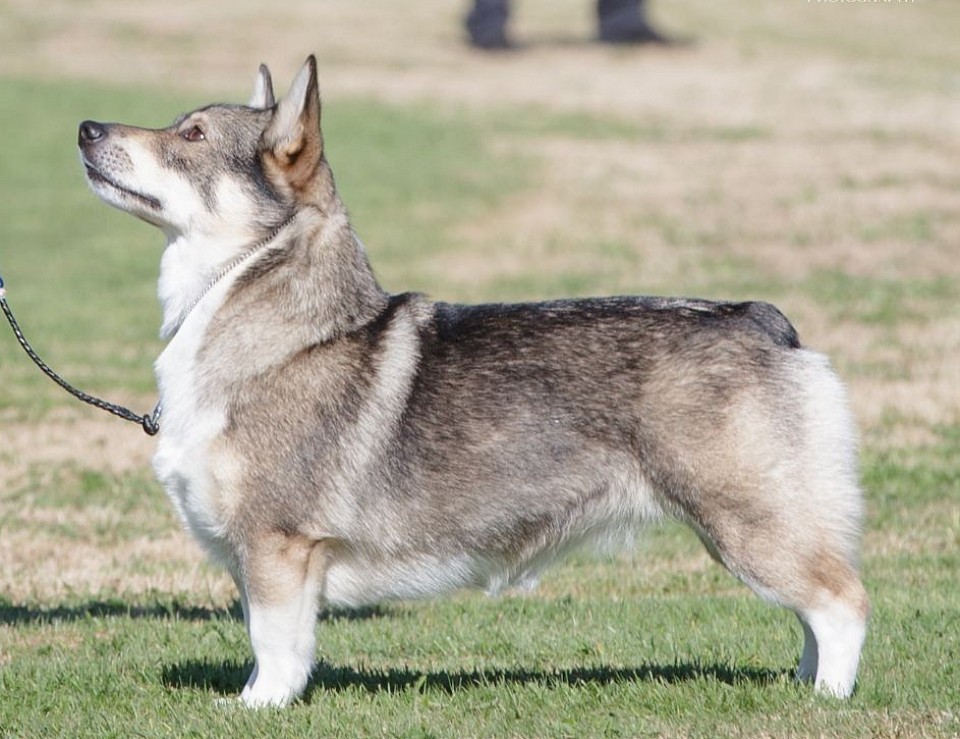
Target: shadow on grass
{"x": 13, "y": 615}
{"x": 228, "y": 678}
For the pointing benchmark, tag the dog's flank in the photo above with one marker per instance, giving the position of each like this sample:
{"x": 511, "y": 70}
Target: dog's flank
{"x": 331, "y": 443}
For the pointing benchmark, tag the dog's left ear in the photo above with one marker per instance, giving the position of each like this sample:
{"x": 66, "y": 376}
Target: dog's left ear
{"x": 262, "y": 96}
{"x": 292, "y": 139}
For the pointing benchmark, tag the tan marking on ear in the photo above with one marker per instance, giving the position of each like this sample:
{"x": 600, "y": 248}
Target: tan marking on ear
{"x": 293, "y": 141}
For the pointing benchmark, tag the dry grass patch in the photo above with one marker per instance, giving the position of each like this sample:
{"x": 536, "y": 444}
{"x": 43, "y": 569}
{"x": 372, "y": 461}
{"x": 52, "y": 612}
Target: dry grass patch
{"x": 44, "y": 568}
{"x": 71, "y": 435}
{"x": 934, "y": 530}
{"x": 751, "y": 61}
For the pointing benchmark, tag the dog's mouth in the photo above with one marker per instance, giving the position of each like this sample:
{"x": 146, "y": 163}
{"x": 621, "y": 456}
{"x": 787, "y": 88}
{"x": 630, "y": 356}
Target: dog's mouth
{"x": 95, "y": 176}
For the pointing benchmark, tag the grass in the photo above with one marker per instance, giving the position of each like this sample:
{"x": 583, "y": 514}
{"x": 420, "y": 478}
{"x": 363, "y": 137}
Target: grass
{"x": 639, "y": 651}
{"x": 630, "y": 647}
{"x": 112, "y": 625}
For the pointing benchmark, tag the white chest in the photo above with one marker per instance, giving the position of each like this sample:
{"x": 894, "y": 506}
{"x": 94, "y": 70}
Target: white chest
{"x": 189, "y": 427}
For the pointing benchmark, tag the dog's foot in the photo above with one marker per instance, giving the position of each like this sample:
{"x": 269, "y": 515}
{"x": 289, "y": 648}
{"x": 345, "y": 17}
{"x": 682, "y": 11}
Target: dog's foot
{"x": 276, "y": 684}
{"x": 840, "y": 631}
{"x": 262, "y": 696}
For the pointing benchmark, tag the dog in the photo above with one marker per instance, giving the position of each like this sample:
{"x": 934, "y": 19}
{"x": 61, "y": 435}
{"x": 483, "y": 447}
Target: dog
{"x": 330, "y": 443}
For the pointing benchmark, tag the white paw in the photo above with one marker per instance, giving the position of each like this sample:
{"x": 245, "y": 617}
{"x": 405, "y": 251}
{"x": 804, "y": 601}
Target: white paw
{"x": 257, "y": 696}
{"x": 835, "y": 689}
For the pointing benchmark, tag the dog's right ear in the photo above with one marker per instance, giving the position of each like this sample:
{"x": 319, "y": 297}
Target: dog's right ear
{"x": 262, "y": 97}
{"x": 292, "y": 145}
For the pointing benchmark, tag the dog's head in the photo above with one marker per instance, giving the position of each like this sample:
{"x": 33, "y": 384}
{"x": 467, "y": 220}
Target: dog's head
{"x": 222, "y": 169}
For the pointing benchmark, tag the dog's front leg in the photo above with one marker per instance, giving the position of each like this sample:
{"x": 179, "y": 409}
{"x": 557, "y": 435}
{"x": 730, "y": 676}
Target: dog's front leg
{"x": 281, "y": 591}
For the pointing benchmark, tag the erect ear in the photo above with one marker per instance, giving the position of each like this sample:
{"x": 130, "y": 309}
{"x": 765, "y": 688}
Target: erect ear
{"x": 262, "y": 96}
{"x": 293, "y": 135}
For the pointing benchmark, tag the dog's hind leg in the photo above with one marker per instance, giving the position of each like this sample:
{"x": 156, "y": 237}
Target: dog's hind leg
{"x": 818, "y": 584}
{"x": 283, "y": 590}
{"x": 810, "y": 572}
{"x": 834, "y": 607}
{"x": 779, "y": 505}
{"x": 807, "y": 669}
{"x": 838, "y": 627}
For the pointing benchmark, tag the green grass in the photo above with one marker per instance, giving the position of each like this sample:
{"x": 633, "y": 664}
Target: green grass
{"x": 408, "y": 176}
{"x": 660, "y": 642}
{"x": 883, "y": 301}
{"x": 628, "y": 647}
{"x": 81, "y": 278}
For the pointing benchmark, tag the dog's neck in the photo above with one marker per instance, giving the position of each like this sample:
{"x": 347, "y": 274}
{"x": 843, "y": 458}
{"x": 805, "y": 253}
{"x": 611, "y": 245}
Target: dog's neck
{"x": 176, "y": 309}
{"x": 190, "y": 270}
{"x": 335, "y": 288}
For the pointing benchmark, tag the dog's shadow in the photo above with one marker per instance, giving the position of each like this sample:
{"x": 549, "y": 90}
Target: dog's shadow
{"x": 14, "y": 615}
{"x": 228, "y": 678}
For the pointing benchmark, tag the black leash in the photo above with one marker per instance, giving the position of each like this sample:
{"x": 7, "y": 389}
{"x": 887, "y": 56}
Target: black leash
{"x": 149, "y": 423}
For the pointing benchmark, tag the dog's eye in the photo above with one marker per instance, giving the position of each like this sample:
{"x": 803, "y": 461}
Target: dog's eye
{"x": 194, "y": 133}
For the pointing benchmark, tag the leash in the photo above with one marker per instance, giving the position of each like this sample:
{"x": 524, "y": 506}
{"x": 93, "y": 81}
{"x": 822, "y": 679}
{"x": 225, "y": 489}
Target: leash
{"x": 150, "y": 423}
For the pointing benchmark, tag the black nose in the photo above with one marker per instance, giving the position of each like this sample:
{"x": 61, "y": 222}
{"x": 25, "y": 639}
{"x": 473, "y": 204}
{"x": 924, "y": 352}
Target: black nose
{"x": 90, "y": 132}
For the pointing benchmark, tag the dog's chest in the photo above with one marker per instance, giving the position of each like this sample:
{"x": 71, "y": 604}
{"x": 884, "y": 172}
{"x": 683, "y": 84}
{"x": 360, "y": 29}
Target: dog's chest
{"x": 190, "y": 425}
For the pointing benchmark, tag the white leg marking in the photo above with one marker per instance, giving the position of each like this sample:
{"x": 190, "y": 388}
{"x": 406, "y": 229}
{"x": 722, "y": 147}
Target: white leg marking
{"x": 283, "y": 640}
{"x": 839, "y": 632}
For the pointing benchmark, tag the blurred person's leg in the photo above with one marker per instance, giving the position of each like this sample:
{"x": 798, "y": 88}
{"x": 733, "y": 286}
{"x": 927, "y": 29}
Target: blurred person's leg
{"x": 487, "y": 24}
{"x": 625, "y": 22}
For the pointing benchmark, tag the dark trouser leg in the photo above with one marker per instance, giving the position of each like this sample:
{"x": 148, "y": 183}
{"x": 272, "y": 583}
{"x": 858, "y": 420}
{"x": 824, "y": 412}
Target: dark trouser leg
{"x": 487, "y": 24}
{"x": 625, "y": 21}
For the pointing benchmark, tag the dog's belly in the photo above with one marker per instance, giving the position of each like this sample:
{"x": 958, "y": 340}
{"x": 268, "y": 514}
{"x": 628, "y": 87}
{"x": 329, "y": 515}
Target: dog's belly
{"x": 353, "y": 580}
{"x": 366, "y": 574}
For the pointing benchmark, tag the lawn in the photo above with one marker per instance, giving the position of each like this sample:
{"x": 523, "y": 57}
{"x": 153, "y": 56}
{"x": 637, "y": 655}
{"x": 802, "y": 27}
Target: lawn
{"x": 801, "y": 153}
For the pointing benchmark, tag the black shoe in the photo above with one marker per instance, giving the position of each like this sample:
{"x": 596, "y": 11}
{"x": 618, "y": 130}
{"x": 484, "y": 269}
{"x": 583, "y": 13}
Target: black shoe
{"x": 492, "y": 42}
{"x": 638, "y": 35}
